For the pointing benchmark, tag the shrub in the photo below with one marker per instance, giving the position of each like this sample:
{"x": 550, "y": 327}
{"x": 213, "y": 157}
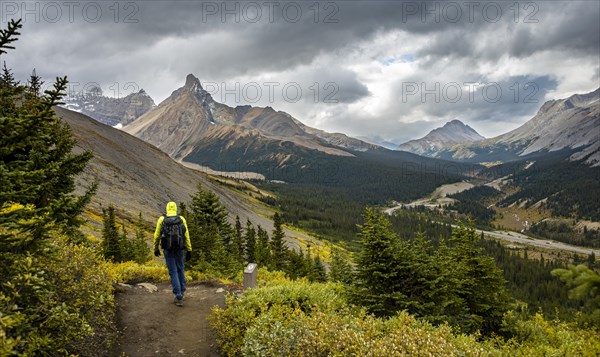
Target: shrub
{"x": 304, "y": 319}
{"x": 279, "y": 302}
{"x": 132, "y": 272}
{"x": 56, "y": 304}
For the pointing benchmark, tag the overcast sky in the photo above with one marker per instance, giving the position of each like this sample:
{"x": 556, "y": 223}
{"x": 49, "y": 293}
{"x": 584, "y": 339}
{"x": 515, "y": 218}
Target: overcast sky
{"x": 365, "y": 68}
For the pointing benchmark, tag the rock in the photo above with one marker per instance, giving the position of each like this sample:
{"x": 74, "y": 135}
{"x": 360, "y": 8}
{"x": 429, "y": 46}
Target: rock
{"x": 150, "y": 287}
{"x": 220, "y": 290}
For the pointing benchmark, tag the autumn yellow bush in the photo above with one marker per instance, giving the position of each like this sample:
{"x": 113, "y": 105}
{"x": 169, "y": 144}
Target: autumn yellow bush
{"x": 314, "y": 319}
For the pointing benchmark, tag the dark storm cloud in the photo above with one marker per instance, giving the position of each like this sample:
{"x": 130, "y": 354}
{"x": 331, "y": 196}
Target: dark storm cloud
{"x": 154, "y": 44}
{"x": 272, "y": 40}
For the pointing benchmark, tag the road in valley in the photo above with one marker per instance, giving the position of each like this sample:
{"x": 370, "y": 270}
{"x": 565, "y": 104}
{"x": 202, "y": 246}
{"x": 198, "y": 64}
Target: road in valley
{"x": 438, "y": 197}
{"x": 521, "y": 238}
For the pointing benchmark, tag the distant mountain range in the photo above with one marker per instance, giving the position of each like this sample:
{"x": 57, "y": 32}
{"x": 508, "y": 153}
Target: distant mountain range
{"x": 191, "y": 119}
{"x": 110, "y": 111}
{"x": 451, "y": 134}
{"x": 565, "y": 124}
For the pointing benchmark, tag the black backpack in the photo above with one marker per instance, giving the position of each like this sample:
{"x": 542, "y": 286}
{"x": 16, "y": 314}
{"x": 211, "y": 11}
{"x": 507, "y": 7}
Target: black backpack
{"x": 172, "y": 233}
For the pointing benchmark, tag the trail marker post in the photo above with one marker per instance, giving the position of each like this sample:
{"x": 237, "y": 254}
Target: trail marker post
{"x": 250, "y": 276}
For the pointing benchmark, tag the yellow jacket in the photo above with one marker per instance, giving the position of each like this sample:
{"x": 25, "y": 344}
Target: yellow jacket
{"x": 171, "y": 211}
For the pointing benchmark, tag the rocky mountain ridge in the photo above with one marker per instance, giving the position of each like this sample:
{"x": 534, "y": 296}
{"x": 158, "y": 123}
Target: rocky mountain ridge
{"x": 190, "y": 116}
{"x": 571, "y": 123}
{"x": 110, "y": 111}
{"x": 452, "y": 133}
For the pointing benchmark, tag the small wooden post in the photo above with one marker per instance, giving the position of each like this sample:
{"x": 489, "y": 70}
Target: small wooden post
{"x": 250, "y": 276}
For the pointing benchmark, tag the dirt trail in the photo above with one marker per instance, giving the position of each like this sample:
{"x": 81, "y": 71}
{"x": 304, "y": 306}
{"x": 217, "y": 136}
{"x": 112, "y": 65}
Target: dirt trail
{"x": 150, "y": 324}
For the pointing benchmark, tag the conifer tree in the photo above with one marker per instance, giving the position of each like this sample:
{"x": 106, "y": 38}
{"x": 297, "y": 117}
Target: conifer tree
{"x": 319, "y": 271}
{"x": 263, "y": 250}
{"x": 140, "y": 245}
{"x": 376, "y": 281}
{"x": 126, "y": 245}
{"x": 237, "y": 245}
{"x": 111, "y": 245}
{"x": 584, "y": 285}
{"x": 297, "y": 266}
{"x": 278, "y": 247}
{"x": 37, "y": 165}
{"x": 207, "y": 221}
{"x": 480, "y": 284}
{"x": 250, "y": 239}
{"x": 340, "y": 269}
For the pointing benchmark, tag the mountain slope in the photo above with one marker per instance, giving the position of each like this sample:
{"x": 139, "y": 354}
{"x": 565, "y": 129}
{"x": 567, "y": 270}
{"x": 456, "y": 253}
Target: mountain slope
{"x": 451, "y": 134}
{"x": 137, "y": 177}
{"x": 571, "y": 123}
{"x": 111, "y": 111}
{"x": 190, "y": 117}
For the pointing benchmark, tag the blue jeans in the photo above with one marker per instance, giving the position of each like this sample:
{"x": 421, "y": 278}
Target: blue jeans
{"x": 174, "y": 259}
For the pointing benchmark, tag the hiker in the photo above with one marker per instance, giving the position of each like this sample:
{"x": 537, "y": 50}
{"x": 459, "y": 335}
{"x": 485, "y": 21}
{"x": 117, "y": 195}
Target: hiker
{"x": 174, "y": 237}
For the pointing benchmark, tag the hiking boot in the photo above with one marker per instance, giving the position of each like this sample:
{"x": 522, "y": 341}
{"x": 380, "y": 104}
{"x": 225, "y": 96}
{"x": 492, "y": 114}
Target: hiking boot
{"x": 178, "y": 302}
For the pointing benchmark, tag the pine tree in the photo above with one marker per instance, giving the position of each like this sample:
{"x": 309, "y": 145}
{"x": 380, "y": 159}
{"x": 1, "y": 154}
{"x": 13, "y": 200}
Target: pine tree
{"x": 319, "y": 271}
{"x": 34, "y": 86}
{"x": 340, "y": 269}
{"x": 250, "y": 239}
{"x": 126, "y": 245}
{"x": 207, "y": 221}
{"x": 111, "y": 244}
{"x": 263, "y": 250}
{"x": 297, "y": 266}
{"x": 141, "y": 249}
{"x": 584, "y": 285}
{"x": 278, "y": 247}
{"x": 37, "y": 165}
{"x": 376, "y": 281}
{"x": 237, "y": 245}
{"x": 481, "y": 284}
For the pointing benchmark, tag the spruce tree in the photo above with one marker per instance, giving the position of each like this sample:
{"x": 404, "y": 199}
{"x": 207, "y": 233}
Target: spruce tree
{"x": 319, "y": 271}
{"x": 237, "y": 245}
{"x": 126, "y": 245}
{"x": 37, "y": 163}
{"x": 375, "y": 285}
{"x": 250, "y": 242}
{"x": 263, "y": 250}
{"x": 480, "y": 284}
{"x": 141, "y": 249}
{"x": 111, "y": 244}
{"x": 584, "y": 285}
{"x": 340, "y": 269}
{"x": 278, "y": 247}
{"x": 207, "y": 222}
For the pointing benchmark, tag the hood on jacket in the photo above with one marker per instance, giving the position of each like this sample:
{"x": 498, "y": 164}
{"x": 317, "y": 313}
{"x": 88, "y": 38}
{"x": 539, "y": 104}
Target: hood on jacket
{"x": 171, "y": 209}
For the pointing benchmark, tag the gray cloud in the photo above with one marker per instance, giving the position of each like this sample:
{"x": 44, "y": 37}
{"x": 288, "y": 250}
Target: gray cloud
{"x": 154, "y": 44}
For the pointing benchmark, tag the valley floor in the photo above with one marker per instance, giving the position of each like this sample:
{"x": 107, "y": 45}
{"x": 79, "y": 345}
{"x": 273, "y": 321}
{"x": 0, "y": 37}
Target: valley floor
{"x": 150, "y": 324}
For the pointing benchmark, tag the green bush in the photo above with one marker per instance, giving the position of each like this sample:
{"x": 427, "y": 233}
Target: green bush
{"x": 535, "y": 336}
{"x": 313, "y": 319}
{"x": 280, "y": 302}
{"x": 56, "y": 304}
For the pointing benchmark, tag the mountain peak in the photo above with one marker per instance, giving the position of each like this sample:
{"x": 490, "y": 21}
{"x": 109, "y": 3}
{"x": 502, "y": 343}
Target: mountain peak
{"x": 192, "y": 82}
{"x": 452, "y": 133}
{"x": 455, "y": 122}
